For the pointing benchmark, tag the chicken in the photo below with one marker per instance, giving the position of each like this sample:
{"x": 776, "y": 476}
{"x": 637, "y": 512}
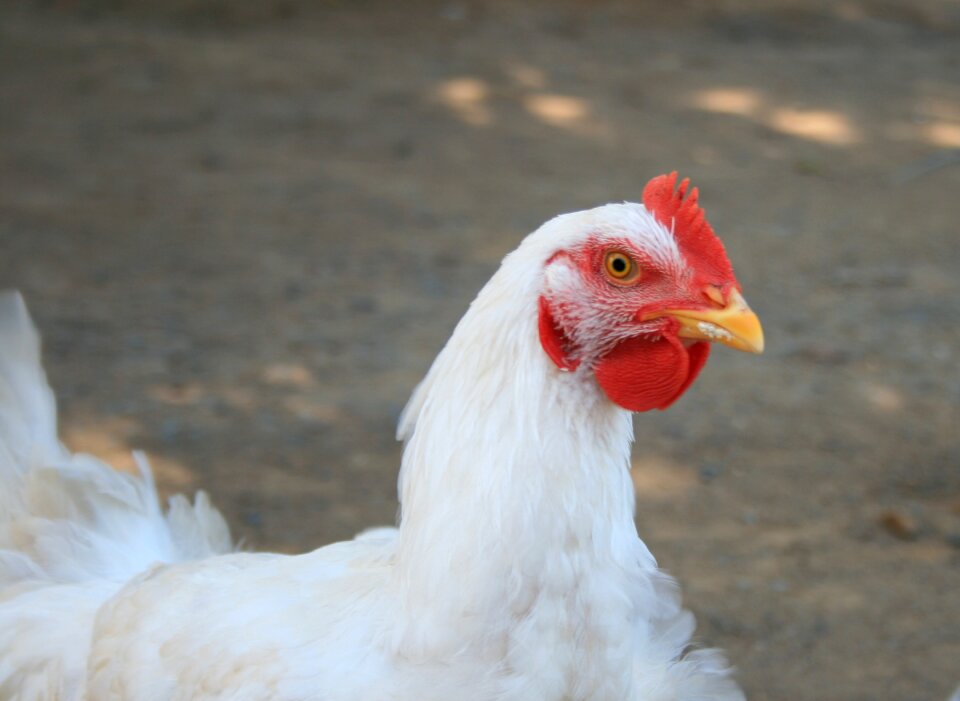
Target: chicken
{"x": 516, "y": 571}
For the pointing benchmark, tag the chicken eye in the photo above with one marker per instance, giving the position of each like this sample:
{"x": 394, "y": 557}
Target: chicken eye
{"x": 621, "y": 267}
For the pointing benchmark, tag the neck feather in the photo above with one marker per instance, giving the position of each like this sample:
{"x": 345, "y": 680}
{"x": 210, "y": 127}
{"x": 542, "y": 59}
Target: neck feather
{"x": 515, "y": 477}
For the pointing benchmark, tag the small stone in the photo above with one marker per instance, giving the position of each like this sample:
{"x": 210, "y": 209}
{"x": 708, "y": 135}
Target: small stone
{"x": 711, "y": 471}
{"x": 899, "y": 524}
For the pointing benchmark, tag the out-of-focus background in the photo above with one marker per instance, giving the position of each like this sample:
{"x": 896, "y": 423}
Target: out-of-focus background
{"x": 246, "y": 228}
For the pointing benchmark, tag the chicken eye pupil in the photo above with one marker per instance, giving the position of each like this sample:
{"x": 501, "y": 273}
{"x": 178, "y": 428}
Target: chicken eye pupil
{"x": 620, "y": 267}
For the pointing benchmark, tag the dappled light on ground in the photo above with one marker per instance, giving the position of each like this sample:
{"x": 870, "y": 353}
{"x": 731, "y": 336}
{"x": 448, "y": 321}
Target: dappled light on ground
{"x": 944, "y": 116}
{"x": 467, "y": 98}
{"x": 936, "y": 121}
{"x": 109, "y": 440}
{"x": 293, "y": 375}
{"x": 557, "y": 110}
{"x": 825, "y": 126}
{"x": 105, "y": 439}
{"x": 478, "y": 103}
{"x": 658, "y": 479}
{"x": 946, "y": 134}
{"x": 883, "y": 397}
{"x": 745, "y": 102}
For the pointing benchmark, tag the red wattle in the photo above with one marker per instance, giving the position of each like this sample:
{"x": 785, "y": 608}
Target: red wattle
{"x": 697, "y": 354}
{"x": 640, "y": 374}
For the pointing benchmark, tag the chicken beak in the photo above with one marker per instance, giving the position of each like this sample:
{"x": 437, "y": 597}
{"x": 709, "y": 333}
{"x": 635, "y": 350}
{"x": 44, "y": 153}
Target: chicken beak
{"x": 734, "y": 325}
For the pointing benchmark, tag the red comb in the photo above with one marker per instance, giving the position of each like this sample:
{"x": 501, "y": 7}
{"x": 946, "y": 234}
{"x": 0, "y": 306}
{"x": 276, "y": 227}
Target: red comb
{"x": 677, "y": 210}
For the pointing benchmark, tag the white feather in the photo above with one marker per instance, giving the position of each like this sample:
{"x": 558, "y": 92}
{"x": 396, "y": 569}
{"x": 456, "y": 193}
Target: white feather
{"x": 516, "y": 572}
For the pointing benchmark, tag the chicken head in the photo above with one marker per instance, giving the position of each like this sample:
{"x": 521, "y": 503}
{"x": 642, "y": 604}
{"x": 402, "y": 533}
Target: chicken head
{"x": 639, "y": 293}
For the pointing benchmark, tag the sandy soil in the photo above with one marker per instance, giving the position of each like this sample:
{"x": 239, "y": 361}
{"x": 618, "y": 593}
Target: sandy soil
{"x": 245, "y": 233}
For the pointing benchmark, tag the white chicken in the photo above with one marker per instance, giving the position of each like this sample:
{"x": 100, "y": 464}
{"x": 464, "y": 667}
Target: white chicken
{"x": 516, "y": 571}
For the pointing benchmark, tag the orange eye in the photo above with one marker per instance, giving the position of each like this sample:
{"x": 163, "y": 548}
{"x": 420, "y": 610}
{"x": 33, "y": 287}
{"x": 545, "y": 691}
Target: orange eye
{"x": 621, "y": 267}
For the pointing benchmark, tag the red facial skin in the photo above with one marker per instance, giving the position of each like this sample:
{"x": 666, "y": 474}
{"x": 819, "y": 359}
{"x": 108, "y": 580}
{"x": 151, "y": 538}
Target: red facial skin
{"x": 650, "y": 367}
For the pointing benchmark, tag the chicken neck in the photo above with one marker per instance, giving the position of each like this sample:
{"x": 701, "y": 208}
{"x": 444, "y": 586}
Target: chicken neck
{"x": 517, "y": 504}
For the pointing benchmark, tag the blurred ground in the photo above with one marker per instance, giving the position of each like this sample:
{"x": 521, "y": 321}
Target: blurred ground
{"x": 245, "y": 229}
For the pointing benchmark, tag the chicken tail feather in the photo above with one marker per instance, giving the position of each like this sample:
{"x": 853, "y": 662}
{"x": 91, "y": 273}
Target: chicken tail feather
{"x": 72, "y": 529}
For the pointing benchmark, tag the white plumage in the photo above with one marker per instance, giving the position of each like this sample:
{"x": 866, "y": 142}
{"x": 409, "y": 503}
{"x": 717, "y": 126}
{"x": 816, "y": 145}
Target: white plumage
{"x": 516, "y": 572}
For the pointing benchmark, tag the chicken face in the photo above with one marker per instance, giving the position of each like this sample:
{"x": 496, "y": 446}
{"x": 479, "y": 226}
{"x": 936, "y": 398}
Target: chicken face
{"x": 639, "y": 297}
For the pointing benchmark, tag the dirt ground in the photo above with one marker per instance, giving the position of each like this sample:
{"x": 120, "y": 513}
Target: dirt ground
{"x": 246, "y": 229}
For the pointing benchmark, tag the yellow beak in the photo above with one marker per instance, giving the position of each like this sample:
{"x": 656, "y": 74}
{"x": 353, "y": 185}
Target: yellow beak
{"x": 734, "y": 325}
